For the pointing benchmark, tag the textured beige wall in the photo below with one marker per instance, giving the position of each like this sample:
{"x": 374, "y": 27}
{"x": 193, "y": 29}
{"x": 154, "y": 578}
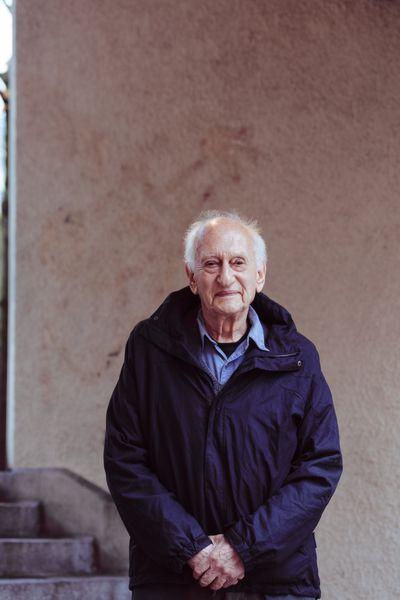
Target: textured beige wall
{"x": 134, "y": 115}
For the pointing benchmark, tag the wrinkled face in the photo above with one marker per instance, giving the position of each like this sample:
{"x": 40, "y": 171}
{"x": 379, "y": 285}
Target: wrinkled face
{"x": 226, "y": 276}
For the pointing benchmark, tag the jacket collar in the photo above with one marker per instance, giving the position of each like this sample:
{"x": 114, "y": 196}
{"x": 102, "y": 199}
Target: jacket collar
{"x": 173, "y": 327}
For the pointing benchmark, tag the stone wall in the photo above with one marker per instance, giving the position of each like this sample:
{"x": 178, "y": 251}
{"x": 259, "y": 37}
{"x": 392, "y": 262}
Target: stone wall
{"x": 132, "y": 116}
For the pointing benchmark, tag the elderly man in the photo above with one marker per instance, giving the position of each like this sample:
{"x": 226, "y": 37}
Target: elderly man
{"x": 222, "y": 446}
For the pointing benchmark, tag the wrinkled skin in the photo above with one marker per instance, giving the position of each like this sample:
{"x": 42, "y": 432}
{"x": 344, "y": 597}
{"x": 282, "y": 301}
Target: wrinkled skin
{"x": 217, "y": 565}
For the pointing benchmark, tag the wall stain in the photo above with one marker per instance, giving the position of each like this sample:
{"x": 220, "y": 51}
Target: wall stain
{"x": 60, "y": 250}
{"x": 230, "y": 149}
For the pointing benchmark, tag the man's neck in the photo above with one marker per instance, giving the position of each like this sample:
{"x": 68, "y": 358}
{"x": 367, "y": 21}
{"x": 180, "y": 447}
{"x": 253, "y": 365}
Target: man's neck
{"x": 225, "y": 329}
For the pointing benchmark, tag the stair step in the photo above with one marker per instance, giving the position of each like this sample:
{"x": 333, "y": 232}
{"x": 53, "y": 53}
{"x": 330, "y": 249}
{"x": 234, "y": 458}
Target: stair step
{"x": 41, "y": 557}
{"x": 98, "y": 587}
{"x": 19, "y": 519}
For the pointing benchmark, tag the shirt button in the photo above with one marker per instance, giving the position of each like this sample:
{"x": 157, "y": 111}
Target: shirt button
{"x": 299, "y": 363}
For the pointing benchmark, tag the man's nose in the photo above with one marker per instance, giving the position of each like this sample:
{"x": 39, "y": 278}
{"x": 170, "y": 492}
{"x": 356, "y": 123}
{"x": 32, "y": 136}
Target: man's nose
{"x": 225, "y": 275}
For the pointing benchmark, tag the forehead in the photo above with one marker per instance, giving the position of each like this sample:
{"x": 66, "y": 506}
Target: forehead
{"x": 225, "y": 238}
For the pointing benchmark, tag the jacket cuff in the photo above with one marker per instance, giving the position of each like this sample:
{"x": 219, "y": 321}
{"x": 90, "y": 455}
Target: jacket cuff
{"x": 178, "y": 562}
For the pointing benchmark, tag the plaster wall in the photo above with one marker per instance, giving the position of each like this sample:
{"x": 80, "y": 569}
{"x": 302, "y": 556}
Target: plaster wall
{"x": 131, "y": 117}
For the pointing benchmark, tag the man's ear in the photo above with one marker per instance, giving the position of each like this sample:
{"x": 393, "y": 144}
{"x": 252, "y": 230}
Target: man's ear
{"x": 260, "y": 279}
{"x": 192, "y": 281}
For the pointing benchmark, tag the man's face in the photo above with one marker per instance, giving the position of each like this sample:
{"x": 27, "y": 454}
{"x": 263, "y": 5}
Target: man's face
{"x": 226, "y": 276}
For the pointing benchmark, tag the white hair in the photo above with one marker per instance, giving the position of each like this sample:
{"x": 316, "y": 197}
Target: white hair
{"x": 195, "y": 232}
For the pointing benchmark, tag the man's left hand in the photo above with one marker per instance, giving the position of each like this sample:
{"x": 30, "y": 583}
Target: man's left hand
{"x": 225, "y": 565}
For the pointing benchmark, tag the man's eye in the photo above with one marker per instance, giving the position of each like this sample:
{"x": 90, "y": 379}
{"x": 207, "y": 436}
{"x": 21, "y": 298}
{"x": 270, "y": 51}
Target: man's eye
{"x": 211, "y": 264}
{"x": 239, "y": 262}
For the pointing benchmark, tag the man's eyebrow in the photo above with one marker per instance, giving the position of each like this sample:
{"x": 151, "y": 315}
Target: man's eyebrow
{"x": 233, "y": 255}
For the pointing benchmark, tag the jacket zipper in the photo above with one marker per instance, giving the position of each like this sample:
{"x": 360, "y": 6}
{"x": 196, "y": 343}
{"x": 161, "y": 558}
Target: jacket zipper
{"x": 278, "y": 355}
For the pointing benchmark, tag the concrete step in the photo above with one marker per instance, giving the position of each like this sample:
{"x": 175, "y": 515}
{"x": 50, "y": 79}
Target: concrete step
{"x": 100, "y": 587}
{"x": 46, "y": 557}
{"x": 19, "y": 519}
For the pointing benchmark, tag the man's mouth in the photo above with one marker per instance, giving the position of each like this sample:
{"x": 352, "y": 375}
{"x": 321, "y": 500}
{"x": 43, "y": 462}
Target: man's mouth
{"x": 226, "y": 293}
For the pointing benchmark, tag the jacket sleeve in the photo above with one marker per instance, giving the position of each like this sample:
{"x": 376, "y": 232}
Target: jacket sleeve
{"x": 151, "y": 513}
{"x": 280, "y": 525}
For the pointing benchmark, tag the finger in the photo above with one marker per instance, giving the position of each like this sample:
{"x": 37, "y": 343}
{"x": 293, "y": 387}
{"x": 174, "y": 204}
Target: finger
{"x": 197, "y": 573}
{"x": 200, "y": 569}
{"x": 213, "y": 584}
{"x": 217, "y": 583}
{"x": 208, "y": 577}
{"x": 230, "y": 582}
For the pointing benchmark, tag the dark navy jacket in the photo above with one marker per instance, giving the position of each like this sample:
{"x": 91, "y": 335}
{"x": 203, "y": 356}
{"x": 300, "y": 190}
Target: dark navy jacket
{"x": 258, "y": 461}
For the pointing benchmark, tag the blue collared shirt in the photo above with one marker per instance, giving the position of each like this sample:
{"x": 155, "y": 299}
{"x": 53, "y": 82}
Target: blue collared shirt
{"x": 214, "y": 359}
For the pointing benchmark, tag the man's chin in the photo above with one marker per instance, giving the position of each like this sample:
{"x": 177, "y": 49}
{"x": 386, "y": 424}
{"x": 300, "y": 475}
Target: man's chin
{"x": 230, "y": 307}
{"x": 228, "y": 298}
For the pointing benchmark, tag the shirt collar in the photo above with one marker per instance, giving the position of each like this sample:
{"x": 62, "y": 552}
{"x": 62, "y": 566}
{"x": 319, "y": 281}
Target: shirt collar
{"x": 256, "y": 332}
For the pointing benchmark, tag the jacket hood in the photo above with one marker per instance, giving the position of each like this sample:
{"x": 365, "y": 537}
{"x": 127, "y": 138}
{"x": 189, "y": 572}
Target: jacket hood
{"x": 176, "y": 318}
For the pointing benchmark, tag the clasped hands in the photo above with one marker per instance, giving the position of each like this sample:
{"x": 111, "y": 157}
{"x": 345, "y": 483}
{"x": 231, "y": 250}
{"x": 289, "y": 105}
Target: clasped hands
{"x": 217, "y": 565}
